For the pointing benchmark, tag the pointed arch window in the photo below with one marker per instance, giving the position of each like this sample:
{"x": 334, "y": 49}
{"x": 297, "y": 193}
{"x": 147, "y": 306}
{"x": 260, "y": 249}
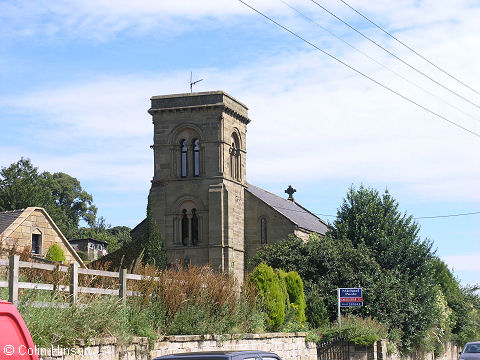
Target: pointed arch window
{"x": 184, "y": 228}
{"x": 183, "y": 157}
{"x": 196, "y": 157}
{"x": 194, "y": 225}
{"x": 263, "y": 230}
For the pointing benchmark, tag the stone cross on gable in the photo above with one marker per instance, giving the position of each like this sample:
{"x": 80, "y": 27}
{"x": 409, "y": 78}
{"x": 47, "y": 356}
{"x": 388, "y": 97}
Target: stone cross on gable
{"x": 290, "y": 190}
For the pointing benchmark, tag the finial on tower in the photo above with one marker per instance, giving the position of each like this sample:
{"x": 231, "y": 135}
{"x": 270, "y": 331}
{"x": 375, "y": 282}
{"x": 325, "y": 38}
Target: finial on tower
{"x": 290, "y": 190}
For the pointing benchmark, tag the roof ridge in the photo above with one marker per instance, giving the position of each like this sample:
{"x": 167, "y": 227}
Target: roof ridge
{"x": 278, "y": 196}
{"x": 11, "y": 211}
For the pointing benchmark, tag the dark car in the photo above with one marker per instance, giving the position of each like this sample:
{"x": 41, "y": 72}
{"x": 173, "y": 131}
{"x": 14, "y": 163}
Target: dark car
{"x": 471, "y": 351}
{"x": 222, "y": 355}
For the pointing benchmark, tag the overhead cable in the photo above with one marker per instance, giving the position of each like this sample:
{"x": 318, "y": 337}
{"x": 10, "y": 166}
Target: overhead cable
{"x": 359, "y": 72}
{"x": 393, "y": 54}
{"x": 409, "y": 48}
{"x": 378, "y": 62}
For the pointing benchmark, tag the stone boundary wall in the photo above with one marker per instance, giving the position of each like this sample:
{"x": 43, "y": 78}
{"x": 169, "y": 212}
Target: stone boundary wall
{"x": 289, "y": 346}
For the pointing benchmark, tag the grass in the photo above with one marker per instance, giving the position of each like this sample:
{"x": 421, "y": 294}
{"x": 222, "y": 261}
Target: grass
{"x": 190, "y": 301}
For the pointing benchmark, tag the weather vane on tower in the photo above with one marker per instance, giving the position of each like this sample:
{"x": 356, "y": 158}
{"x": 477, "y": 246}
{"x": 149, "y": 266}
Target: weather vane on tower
{"x": 193, "y": 82}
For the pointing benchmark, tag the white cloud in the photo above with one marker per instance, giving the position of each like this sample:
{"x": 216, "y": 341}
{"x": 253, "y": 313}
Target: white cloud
{"x": 464, "y": 262}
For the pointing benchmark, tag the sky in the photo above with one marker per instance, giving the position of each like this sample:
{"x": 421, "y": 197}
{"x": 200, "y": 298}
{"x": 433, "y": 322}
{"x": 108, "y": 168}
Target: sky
{"x": 76, "y": 78}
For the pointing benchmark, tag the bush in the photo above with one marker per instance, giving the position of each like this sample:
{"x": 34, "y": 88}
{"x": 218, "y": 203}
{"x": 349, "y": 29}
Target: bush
{"x": 316, "y": 311}
{"x": 55, "y": 253}
{"x": 269, "y": 289}
{"x": 296, "y": 295}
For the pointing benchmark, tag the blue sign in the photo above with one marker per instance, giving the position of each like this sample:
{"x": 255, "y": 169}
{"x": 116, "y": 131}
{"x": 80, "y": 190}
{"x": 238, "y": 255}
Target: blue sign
{"x": 350, "y": 297}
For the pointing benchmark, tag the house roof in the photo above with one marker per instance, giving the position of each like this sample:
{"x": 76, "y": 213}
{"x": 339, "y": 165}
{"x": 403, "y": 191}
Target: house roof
{"x": 291, "y": 210}
{"x": 7, "y": 218}
{"x": 75, "y": 241}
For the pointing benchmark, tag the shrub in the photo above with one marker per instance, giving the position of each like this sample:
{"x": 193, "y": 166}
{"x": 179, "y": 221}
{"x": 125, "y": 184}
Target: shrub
{"x": 296, "y": 295}
{"x": 55, "y": 253}
{"x": 269, "y": 289}
{"x": 316, "y": 311}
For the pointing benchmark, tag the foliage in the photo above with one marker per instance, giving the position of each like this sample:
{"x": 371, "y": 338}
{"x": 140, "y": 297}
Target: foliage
{"x": 155, "y": 252}
{"x": 296, "y": 295}
{"x": 315, "y": 312}
{"x": 55, "y": 253}
{"x": 22, "y": 185}
{"x": 374, "y": 246}
{"x": 361, "y": 331}
{"x": 114, "y": 236}
{"x": 193, "y": 300}
{"x": 269, "y": 290}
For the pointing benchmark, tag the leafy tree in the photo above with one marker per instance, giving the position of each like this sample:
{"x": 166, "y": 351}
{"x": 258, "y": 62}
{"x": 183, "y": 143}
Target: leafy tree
{"x": 22, "y": 185}
{"x": 296, "y": 296}
{"x": 55, "y": 253}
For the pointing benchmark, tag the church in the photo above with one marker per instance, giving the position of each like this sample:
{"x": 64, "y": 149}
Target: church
{"x": 200, "y": 198}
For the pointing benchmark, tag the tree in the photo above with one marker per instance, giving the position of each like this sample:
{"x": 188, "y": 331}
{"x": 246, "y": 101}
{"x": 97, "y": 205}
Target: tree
{"x": 22, "y": 185}
{"x": 373, "y": 246}
{"x": 155, "y": 252}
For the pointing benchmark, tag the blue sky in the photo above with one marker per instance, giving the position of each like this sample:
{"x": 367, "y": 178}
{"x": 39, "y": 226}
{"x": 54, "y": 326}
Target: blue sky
{"x": 76, "y": 78}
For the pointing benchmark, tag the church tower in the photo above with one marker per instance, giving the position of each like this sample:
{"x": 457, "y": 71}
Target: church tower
{"x": 198, "y": 187}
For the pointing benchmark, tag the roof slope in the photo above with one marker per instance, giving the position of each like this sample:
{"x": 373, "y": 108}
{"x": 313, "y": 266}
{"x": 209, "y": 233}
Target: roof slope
{"x": 8, "y": 217}
{"x": 291, "y": 210}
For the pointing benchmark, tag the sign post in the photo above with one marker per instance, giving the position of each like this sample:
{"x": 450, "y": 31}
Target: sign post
{"x": 348, "y": 297}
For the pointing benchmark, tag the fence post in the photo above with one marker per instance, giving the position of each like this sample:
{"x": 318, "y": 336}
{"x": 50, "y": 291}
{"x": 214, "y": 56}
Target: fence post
{"x": 122, "y": 286}
{"x": 13, "y": 278}
{"x": 73, "y": 282}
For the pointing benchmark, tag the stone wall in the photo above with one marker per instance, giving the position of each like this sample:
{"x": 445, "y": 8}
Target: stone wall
{"x": 289, "y": 346}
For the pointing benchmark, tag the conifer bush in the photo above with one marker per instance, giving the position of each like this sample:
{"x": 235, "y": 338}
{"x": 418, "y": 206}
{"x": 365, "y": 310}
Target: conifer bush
{"x": 267, "y": 283}
{"x": 296, "y": 296}
{"x": 55, "y": 253}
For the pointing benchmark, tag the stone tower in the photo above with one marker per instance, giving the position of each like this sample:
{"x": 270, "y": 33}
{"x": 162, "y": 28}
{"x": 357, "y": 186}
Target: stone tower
{"x": 198, "y": 188}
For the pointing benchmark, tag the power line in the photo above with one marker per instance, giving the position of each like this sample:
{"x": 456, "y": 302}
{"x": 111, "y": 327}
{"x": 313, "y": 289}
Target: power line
{"x": 358, "y": 71}
{"x": 378, "y": 62}
{"x": 409, "y": 48}
{"x": 449, "y": 215}
{"x": 414, "y": 218}
{"x": 392, "y": 54}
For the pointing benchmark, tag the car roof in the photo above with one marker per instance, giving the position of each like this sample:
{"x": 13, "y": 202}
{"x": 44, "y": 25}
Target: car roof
{"x": 473, "y": 342}
{"x": 217, "y": 354}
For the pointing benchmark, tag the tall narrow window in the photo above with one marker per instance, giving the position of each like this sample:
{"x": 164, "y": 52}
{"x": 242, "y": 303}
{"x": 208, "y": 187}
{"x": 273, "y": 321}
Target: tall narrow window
{"x": 184, "y": 228}
{"x": 183, "y": 158}
{"x": 36, "y": 244}
{"x": 263, "y": 231}
{"x": 233, "y": 162}
{"x": 194, "y": 227}
{"x": 235, "y": 166}
{"x": 196, "y": 157}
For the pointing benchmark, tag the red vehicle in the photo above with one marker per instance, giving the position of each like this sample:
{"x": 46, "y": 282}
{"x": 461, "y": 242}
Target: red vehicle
{"x": 15, "y": 340}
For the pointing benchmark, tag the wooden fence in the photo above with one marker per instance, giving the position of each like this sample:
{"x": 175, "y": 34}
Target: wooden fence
{"x": 13, "y": 284}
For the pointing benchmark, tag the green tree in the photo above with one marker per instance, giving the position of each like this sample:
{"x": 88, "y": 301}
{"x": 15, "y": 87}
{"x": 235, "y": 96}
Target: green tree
{"x": 22, "y": 185}
{"x": 268, "y": 286}
{"x": 296, "y": 296}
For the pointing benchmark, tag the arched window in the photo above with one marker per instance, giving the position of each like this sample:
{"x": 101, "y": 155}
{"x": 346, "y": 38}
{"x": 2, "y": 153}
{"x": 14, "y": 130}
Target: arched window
{"x": 183, "y": 158}
{"x": 235, "y": 169}
{"x": 37, "y": 244}
{"x": 194, "y": 227}
{"x": 263, "y": 231}
{"x": 184, "y": 228}
{"x": 196, "y": 157}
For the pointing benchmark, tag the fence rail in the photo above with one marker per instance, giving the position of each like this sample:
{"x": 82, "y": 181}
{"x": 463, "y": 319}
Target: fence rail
{"x": 335, "y": 349}
{"x": 13, "y": 284}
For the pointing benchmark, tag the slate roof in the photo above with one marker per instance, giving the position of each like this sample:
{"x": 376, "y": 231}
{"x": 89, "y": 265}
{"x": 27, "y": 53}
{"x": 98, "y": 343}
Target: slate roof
{"x": 291, "y": 210}
{"x": 8, "y": 217}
